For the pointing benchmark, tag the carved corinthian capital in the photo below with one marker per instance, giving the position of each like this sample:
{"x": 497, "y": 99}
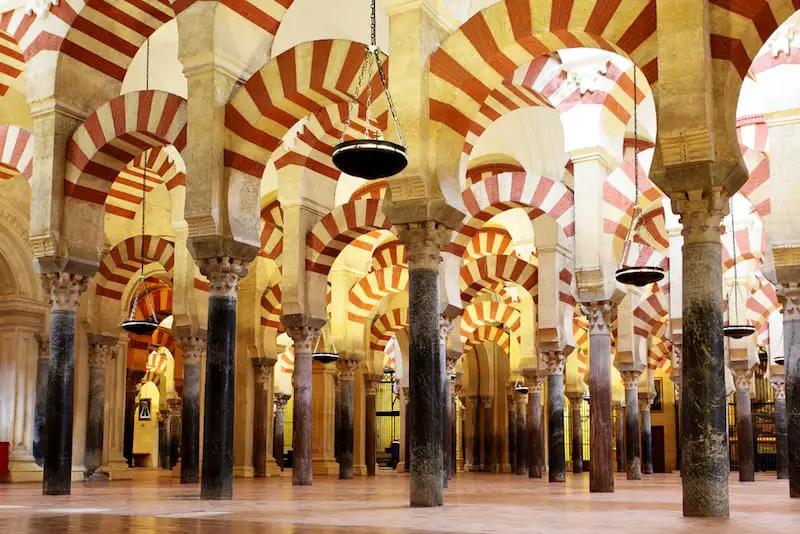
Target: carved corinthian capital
{"x": 63, "y": 290}
{"x": 701, "y": 214}
{"x": 789, "y": 297}
{"x": 223, "y": 275}
{"x": 193, "y": 347}
{"x": 631, "y": 379}
{"x": 424, "y": 242}
{"x": 599, "y": 315}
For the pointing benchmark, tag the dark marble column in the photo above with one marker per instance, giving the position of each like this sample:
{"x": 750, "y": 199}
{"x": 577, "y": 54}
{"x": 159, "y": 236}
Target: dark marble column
{"x": 705, "y": 464}
{"x": 41, "y": 399}
{"x": 522, "y": 436}
{"x": 424, "y": 242}
{"x": 280, "y": 422}
{"x": 216, "y": 481}
{"x": 601, "y": 465}
{"x": 371, "y": 383}
{"x": 487, "y": 415}
{"x": 534, "y": 430}
{"x": 556, "y": 457}
{"x": 451, "y": 359}
{"x": 101, "y": 350}
{"x": 744, "y": 424}
{"x": 407, "y": 433}
{"x": 575, "y": 403}
{"x": 347, "y": 377}
{"x": 475, "y": 413}
{"x": 175, "y": 426}
{"x": 63, "y": 291}
{"x": 262, "y": 375}
{"x": 303, "y": 331}
{"x": 193, "y": 346}
{"x": 779, "y": 386}
{"x": 512, "y": 433}
{"x": 164, "y": 438}
{"x": 619, "y": 435}
{"x": 645, "y": 399}
{"x": 633, "y": 457}
{"x": 789, "y": 295}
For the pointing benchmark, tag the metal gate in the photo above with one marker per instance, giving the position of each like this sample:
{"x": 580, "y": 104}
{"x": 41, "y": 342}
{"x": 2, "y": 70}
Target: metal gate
{"x": 387, "y": 427}
{"x": 762, "y": 406}
{"x": 584, "y": 431}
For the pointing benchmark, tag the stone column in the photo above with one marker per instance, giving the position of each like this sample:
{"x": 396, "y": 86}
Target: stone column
{"x": 744, "y": 424}
{"x": 575, "y": 403}
{"x": 557, "y": 463}
{"x": 633, "y": 458}
{"x": 619, "y": 431}
{"x": 424, "y": 242}
{"x": 262, "y": 375}
{"x": 534, "y": 424}
{"x": 406, "y": 461}
{"x": 789, "y": 295}
{"x": 337, "y": 417}
{"x": 487, "y": 417}
{"x": 779, "y": 386}
{"x": 601, "y": 466}
{"x": 460, "y": 434}
{"x": 303, "y": 335}
{"x": 705, "y": 464}
{"x": 63, "y": 291}
{"x": 474, "y": 412}
{"x": 163, "y": 438}
{"x": 280, "y": 422}
{"x": 347, "y": 377}
{"x": 41, "y": 399}
{"x": 175, "y": 420}
{"x": 512, "y": 432}
{"x": 371, "y": 383}
{"x": 522, "y": 435}
{"x": 450, "y": 361}
{"x": 101, "y": 350}
{"x": 217, "y": 468}
{"x": 645, "y": 400}
{"x": 193, "y": 347}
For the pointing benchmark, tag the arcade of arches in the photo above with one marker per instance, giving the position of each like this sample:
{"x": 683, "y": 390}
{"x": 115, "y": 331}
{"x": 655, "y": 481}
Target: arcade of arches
{"x": 471, "y": 299}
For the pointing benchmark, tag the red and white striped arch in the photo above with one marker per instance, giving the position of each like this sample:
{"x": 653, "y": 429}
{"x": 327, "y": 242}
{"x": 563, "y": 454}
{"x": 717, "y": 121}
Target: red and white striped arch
{"x": 488, "y": 334}
{"x": 125, "y": 195}
{"x": 12, "y": 62}
{"x": 123, "y": 262}
{"x": 368, "y": 292}
{"x": 753, "y": 132}
{"x": 115, "y": 134}
{"x": 762, "y": 302}
{"x": 580, "y": 330}
{"x": 650, "y": 317}
{"x": 755, "y": 189}
{"x": 658, "y": 356}
{"x": 161, "y": 294}
{"x": 537, "y": 195}
{"x": 390, "y": 254}
{"x": 286, "y": 361}
{"x": 271, "y": 308}
{"x": 751, "y": 245}
{"x": 271, "y": 230}
{"x": 339, "y": 228}
{"x": 312, "y": 76}
{"x": 491, "y": 271}
{"x": 482, "y": 313}
{"x": 163, "y": 338}
{"x": 487, "y": 170}
{"x": 374, "y": 189}
{"x": 16, "y": 152}
{"x": 385, "y": 326}
{"x": 489, "y": 241}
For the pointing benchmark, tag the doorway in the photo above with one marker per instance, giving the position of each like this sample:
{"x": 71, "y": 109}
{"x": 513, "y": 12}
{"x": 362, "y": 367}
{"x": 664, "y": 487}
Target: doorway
{"x": 659, "y": 456}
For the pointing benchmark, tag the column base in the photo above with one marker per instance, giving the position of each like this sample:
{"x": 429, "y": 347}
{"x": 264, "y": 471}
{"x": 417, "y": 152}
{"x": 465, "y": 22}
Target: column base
{"x": 78, "y": 473}
{"x": 244, "y": 471}
{"x": 502, "y": 468}
{"x": 401, "y": 467}
{"x": 361, "y": 470}
{"x": 273, "y": 470}
{"x": 22, "y": 468}
{"x": 469, "y": 468}
{"x": 176, "y": 471}
{"x": 119, "y": 470}
{"x": 324, "y": 467}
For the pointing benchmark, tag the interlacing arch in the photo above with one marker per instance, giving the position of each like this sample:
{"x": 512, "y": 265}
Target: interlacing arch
{"x": 125, "y": 195}
{"x": 390, "y": 254}
{"x": 124, "y": 261}
{"x": 271, "y": 308}
{"x": 481, "y": 313}
{"x": 537, "y": 195}
{"x": 385, "y": 325}
{"x": 369, "y": 291}
{"x": 16, "y": 152}
{"x": 488, "y": 334}
{"x": 762, "y": 302}
{"x": 271, "y": 229}
{"x": 339, "y": 228}
{"x": 658, "y": 356}
{"x": 312, "y": 76}
{"x": 489, "y": 271}
{"x": 115, "y": 134}
{"x": 12, "y": 62}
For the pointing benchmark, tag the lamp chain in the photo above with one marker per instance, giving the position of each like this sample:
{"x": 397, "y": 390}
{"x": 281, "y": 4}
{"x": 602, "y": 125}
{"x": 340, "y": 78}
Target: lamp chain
{"x": 735, "y": 269}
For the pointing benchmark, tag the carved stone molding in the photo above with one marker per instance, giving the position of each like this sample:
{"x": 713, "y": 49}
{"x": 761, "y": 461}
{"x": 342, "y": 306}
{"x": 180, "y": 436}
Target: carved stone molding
{"x": 554, "y": 362}
{"x": 789, "y": 297}
{"x": 424, "y": 242}
{"x": 599, "y": 314}
{"x": 686, "y": 146}
{"x": 701, "y": 214}
{"x": 193, "y": 347}
{"x": 63, "y": 290}
{"x": 280, "y": 400}
{"x": 371, "y": 383}
{"x": 347, "y": 370}
{"x": 223, "y": 275}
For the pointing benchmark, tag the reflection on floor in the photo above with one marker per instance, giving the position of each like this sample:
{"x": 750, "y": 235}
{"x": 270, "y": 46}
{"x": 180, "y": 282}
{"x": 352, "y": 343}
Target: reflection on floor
{"x": 155, "y": 503}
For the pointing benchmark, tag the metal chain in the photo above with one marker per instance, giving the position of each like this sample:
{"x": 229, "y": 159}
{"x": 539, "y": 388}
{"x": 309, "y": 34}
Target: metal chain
{"x": 735, "y": 270}
{"x": 392, "y": 109}
{"x": 636, "y": 218}
{"x": 144, "y": 173}
{"x": 373, "y": 32}
{"x": 352, "y": 105}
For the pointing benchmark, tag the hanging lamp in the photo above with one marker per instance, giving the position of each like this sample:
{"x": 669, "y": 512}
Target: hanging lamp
{"x": 522, "y": 389}
{"x": 734, "y": 329}
{"x": 141, "y": 292}
{"x": 639, "y": 276}
{"x": 325, "y": 355}
{"x": 374, "y": 157}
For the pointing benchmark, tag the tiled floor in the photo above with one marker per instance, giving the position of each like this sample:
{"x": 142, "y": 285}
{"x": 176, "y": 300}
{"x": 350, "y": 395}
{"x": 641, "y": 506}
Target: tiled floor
{"x": 474, "y": 503}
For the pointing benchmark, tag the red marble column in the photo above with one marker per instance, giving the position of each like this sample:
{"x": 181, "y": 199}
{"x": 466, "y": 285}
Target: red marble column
{"x": 371, "y": 383}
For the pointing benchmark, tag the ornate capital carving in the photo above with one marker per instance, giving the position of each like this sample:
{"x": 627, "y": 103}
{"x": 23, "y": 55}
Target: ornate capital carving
{"x": 63, "y": 290}
{"x": 280, "y": 400}
{"x": 631, "y": 379}
{"x": 424, "y": 242}
{"x": 193, "y": 347}
{"x": 701, "y": 214}
{"x": 599, "y": 314}
{"x": 554, "y": 361}
{"x": 303, "y": 336}
{"x": 789, "y": 297}
{"x": 175, "y": 406}
{"x": 347, "y": 370}
{"x": 446, "y": 325}
{"x": 677, "y": 355}
{"x": 223, "y": 275}
{"x": 742, "y": 377}
{"x": 486, "y": 402}
{"x": 262, "y": 371}
{"x": 646, "y": 399}
{"x": 451, "y": 360}
{"x": 575, "y": 401}
{"x": 100, "y": 353}
{"x": 534, "y": 381}
{"x": 779, "y": 386}
{"x": 371, "y": 383}
{"x": 44, "y": 347}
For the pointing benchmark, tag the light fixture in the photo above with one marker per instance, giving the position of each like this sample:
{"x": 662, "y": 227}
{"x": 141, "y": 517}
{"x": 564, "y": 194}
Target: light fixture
{"x": 522, "y": 389}
{"x": 779, "y": 360}
{"x": 371, "y": 158}
{"x": 639, "y": 276}
{"x": 149, "y": 324}
{"x": 735, "y": 329}
{"x": 324, "y": 355}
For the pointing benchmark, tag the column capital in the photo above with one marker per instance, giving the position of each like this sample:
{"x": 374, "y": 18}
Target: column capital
{"x": 347, "y": 370}
{"x": 701, "y": 212}
{"x": 371, "y": 383}
{"x": 451, "y": 358}
{"x": 778, "y": 384}
{"x": 223, "y": 274}
{"x": 101, "y": 349}
{"x": 63, "y": 290}
{"x": 631, "y": 379}
{"x": 742, "y": 377}
{"x": 554, "y": 361}
{"x": 534, "y": 380}
{"x": 44, "y": 347}
{"x": 280, "y": 400}
{"x": 446, "y": 325}
{"x": 575, "y": 397}
{"x": 789, "y": 297}
{"x": 302, "y": 329}
{"x": 175, "y": 406}
{"x": 193, "y": 346}
{"x": 486, "y": 402}
{"x": 424, "y": 241}
{"x": 599, "y": 313}
{"x": 646, "y": 399}
{"x": 262, "y": 371}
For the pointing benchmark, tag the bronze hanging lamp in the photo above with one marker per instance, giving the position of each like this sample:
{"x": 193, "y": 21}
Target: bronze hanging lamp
{"x": 149, "y": 324}
{"x": 520, "y": 388}
{"x": 372, "y": 158}
{"x": 735, "y": 329}
{"x": 323, "y": 354}
{"x": 639, "y": 276}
